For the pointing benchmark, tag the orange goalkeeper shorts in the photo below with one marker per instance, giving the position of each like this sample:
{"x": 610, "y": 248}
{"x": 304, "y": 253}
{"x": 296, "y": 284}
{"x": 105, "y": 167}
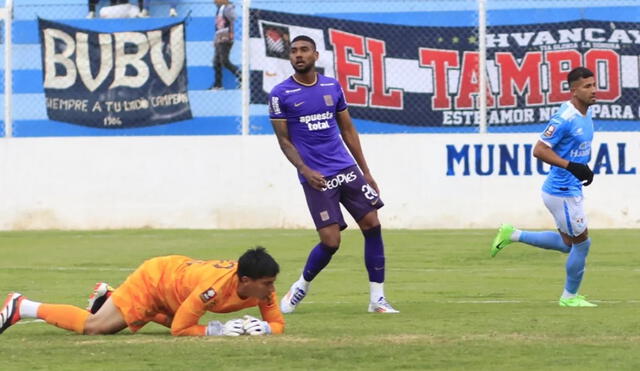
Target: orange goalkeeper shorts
{"x": 135, "y": 297}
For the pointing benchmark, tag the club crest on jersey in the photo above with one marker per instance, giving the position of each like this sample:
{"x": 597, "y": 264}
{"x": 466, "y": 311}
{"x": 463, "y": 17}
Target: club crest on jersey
{"x": 549, "y": 131}
{"x": 208, "y": 295}
{"x": 328, "y": 100}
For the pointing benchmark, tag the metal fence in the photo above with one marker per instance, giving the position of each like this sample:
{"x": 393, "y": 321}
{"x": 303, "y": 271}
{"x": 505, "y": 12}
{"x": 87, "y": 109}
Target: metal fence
{"x": 405, "y": 66}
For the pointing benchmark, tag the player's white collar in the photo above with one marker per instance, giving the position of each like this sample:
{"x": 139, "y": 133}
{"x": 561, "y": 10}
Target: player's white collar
{"x": 577, "y": 111}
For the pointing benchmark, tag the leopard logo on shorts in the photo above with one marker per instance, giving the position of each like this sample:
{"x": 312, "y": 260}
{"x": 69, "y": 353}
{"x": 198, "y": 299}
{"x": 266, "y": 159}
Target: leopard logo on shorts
{"x": 208, "y": 295}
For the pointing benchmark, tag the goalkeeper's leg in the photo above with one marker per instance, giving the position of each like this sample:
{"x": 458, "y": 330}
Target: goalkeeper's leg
{"x": 107, "y": 321}
{"x": 101, "y": 292}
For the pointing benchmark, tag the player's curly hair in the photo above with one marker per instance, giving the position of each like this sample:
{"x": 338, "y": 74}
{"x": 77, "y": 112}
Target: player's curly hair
{"x": 257, "y": 263}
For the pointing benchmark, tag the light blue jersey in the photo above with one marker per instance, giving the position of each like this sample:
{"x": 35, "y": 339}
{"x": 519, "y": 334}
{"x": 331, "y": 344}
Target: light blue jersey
{"x": 569, "y": 134}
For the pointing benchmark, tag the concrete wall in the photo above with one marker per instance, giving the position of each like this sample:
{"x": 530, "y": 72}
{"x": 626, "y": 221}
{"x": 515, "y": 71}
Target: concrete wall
{"x": 245, "y": 182}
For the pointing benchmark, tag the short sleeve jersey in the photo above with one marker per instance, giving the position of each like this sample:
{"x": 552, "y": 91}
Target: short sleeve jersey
{"x": 186, "y": 289}
{"x": 569, "y": 134}
{"x": 310, "y": 112}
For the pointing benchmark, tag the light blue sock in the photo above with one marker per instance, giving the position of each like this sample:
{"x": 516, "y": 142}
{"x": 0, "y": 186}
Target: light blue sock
{"x": 575, "y": 265}
{"x": 546, "y": 240}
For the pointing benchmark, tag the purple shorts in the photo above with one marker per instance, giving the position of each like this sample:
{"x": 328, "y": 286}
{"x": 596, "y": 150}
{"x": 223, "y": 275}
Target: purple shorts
{"x": 347, "y": 187}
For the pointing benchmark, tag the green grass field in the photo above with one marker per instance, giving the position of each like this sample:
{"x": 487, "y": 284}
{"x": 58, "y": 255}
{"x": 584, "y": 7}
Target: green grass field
{"x": 459, "y": 308}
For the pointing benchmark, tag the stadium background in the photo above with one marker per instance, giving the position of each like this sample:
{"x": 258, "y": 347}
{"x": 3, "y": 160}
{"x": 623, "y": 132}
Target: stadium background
{"x": 224, "y": 170}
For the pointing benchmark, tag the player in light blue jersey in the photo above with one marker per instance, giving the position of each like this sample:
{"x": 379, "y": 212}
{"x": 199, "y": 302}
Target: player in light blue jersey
{"x": 566, "y": 145}
{"x": 315, "y": 132}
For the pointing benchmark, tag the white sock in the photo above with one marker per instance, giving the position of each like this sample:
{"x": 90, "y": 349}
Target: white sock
{"x": 29, "y": 309}
{"x": 567, "y": 295}
{"x": 515, "y": 235}
{"x": 304, "y": 283}
{"x": 376, "y": 291}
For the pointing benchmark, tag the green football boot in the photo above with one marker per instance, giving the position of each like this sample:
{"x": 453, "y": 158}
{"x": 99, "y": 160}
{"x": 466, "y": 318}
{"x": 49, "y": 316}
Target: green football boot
{"x": 576, "y": 301}
{"x": 503, "y": 238}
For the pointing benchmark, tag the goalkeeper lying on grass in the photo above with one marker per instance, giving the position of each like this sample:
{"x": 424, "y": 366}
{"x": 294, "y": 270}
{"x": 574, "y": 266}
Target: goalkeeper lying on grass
{"x": 174, "y": 291}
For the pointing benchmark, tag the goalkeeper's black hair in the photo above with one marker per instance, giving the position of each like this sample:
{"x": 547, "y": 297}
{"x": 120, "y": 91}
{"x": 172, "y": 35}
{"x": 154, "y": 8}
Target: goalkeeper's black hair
{"x": 304, "y": 38}
{"x": 257, "y": 263}
{"x": 577, "y": 74}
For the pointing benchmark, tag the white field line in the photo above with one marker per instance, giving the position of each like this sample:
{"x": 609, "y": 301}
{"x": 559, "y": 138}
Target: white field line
{"x": 466, "y": 270}
{"x": 471, "y": 301}
{"x": 29, "y": 322}
{"x": 90, "y": 269}
{"x": 607, "y": 302}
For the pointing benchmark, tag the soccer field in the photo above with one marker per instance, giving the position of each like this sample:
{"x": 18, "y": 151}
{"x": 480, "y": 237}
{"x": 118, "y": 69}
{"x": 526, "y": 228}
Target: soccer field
{"x": 459, "y": 308}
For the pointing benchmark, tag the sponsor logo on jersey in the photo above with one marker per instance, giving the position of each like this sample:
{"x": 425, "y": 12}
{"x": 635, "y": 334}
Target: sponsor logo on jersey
{"x": 298, "y": 104}
{"x": 584, "y": 149}
{"x": 328, "y": 115}
{"x": 328, "y": 100}
{"x": 292, "y": 90}
{"x": 317, "y": 121}
{"x": 321, "y": 125}
{"x": 208, "y": 295}
{"x": 275, "y": 105}
{"x": 328, "y": 84}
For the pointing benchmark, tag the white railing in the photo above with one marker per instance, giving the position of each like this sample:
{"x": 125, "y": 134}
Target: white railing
{"x": 246, "y": 93}
{"x": 6, "y": 14}
{"x": 482, "y": 62}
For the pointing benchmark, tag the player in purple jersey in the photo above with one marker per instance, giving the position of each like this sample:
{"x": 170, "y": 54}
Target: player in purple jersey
{"x": 312, "y": 124}
{"x": 565, "y": 145}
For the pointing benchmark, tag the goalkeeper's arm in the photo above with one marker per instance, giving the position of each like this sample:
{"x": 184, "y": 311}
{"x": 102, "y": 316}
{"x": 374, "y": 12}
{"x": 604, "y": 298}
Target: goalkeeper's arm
{"x": 254, "y": 326}
{"x": 234, "y": 327}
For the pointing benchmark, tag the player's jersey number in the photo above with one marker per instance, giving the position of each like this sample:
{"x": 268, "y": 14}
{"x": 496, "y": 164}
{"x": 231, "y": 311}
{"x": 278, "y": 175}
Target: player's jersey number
{"x": 369, "y": 192}
{"x": 221, "y": 264}
{"x": 225, "y": 264}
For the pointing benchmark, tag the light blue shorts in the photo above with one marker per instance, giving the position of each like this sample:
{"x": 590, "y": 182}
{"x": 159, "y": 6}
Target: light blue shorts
{"x": 568, "y": 213}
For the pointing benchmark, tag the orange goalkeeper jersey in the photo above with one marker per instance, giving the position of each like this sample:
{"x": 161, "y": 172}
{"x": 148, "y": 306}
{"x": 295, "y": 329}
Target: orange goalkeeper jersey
{"x": 184, "y": 289}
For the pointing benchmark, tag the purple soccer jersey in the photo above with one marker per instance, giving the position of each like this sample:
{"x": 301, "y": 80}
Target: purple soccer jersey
{"x": 310, "y": 111}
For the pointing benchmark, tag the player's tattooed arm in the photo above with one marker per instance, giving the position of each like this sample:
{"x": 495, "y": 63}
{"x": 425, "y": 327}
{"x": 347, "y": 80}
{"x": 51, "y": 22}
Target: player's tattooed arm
{"x": 315, "y": 179}
{"x": 352, "y": 140}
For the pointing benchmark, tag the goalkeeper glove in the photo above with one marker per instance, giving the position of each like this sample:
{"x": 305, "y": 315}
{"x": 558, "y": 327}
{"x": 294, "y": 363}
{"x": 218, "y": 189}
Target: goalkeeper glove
{"x": 254, "y": 326}
{"x": 581, "y": 171}
{"x": 233, "y": 327}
